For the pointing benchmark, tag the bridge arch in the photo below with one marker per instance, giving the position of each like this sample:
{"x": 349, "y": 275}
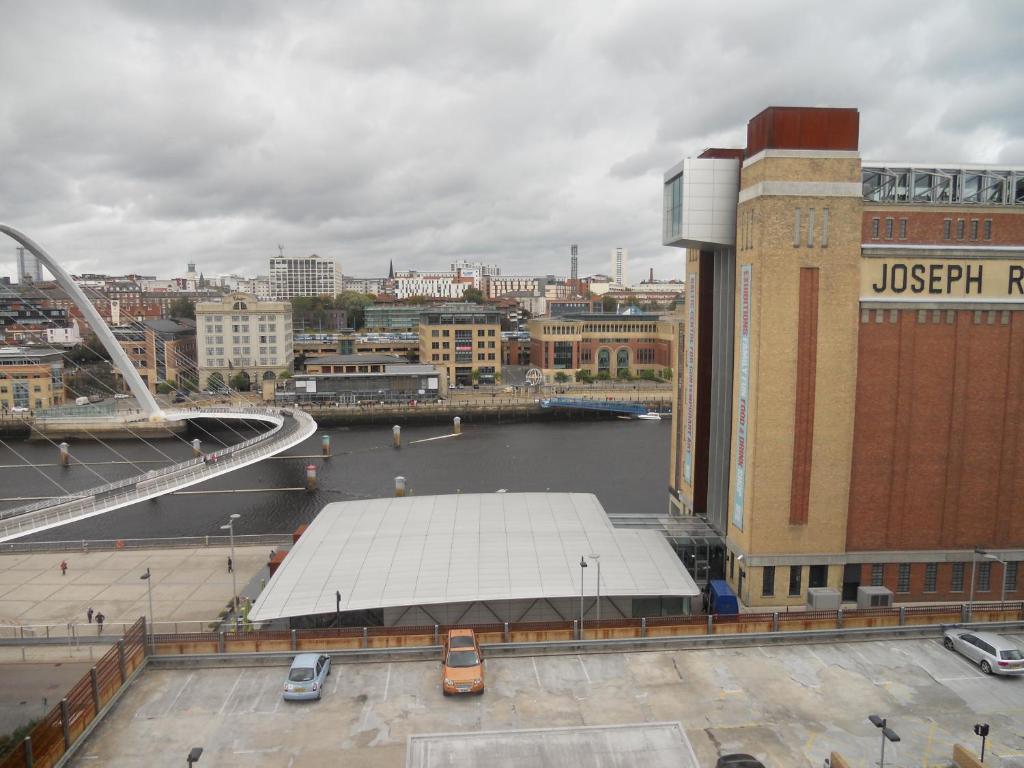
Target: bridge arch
{"x": 119, "y": 357}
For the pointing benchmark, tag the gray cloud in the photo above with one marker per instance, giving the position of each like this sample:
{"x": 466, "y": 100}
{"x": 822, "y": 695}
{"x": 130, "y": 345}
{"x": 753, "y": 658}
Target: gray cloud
{"x": 137, "y": 136}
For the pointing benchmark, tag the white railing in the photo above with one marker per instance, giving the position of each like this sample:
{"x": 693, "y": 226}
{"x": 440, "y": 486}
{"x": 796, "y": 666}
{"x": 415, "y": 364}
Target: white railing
{"x": 290, "y": 428}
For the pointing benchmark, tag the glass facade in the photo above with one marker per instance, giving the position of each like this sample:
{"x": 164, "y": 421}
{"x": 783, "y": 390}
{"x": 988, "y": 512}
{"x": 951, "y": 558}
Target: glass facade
{"x": 673, "y": 209}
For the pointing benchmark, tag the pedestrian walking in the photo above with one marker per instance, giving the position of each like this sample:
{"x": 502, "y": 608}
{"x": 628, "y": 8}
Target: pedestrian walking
{"x": 63, "y": 567}
{"x": 272, "y": 553}
{"x": 88, "y": 615}
{"x": 231, "y": 566}
{"x": 99, "y": 622}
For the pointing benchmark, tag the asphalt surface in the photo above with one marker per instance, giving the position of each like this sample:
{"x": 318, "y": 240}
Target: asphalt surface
{"x": 789, "y": 705}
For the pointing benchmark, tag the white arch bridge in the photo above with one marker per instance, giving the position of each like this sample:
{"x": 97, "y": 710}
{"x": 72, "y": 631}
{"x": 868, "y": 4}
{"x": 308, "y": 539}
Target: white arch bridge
{"x": 288, "y": 428}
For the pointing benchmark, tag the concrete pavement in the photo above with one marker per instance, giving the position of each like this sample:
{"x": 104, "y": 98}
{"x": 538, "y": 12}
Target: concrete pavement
{"x": 188, "y": 584}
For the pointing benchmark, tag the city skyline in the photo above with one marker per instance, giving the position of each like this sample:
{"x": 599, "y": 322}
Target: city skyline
{"x": 502, "y": 134}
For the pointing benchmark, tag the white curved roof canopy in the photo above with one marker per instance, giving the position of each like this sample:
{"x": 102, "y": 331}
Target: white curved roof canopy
{"x": 428, "y": 550}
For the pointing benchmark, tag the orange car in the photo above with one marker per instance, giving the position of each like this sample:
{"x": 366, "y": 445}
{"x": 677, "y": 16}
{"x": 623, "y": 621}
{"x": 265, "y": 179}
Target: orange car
{"x": 462, "y": 665}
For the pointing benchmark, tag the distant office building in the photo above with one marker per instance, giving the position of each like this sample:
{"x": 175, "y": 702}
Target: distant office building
{"x": 619, "y": 258}
{"x": 162, "y": 351}
{"x": 373, "y": 286}
{"x": 362, "y": 378}
{"x": 574, "y": 263}
{"x": 239, "y": 336}
{"x": 485, "y": 270}
{"x": 604, "y": 345}
{"x": 501, "y": 285}
{"x": 435, "y": 285}
{"x": 303, "y": 276}
{"x": 30, "y": 270}
{"x": 392, "y": 318}
{"x": 31, "y": 378}
{"x": 464, "y": 339}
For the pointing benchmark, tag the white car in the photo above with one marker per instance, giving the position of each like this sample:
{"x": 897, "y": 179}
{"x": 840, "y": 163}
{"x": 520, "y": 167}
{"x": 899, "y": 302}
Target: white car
{"x": 994, "y": 654}
{"x": 121, "y": 396}
{"x": 19, "y": 409}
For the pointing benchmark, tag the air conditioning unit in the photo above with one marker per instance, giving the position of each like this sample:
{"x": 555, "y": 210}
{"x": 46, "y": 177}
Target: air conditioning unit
{"x": 823, "y": 599}
{"x": 874, "y": 597}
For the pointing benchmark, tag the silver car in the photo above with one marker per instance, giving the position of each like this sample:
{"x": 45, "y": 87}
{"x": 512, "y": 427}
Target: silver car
{"x": 307, "y": 677}
{"x": 994, "y": 654}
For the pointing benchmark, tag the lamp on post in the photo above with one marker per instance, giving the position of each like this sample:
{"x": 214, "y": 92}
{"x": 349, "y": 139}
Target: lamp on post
{"x": 583, "y": 564}
{"x": 149, "y": 587}
{"x": 888, "y": 734}
{"x": 194, "y": 754}
{"x": 974, "y": 570}
{"x": 998, "y": 559}
{"x": 230, "y": 528}
{"x": 337, "y": 607}
{"x": 597, "y": 559}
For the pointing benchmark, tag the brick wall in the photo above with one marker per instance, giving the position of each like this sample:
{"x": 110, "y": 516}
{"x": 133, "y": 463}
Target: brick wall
{"x": 937, "y": 462}
{"x": 927, "y": 227}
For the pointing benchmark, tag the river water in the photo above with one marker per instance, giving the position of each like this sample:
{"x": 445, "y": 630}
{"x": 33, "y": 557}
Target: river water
{"x": 625, "y": 463}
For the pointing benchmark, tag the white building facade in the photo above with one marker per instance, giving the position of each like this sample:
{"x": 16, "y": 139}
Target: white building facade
{"x": 304, "y": 276}
{"x": 620, "y": 257}
{"x": 241, "y": 335}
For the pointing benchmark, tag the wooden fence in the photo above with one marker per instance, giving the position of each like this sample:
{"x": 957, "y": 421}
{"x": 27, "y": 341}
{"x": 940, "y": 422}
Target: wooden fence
{"x": 550, "y": 631}
{"x": 61, "y": 726}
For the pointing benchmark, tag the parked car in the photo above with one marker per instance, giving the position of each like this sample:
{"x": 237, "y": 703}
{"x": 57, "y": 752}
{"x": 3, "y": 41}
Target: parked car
{"x": 738, "y": 761}
{"x": 994, "y": 654}
{"x": 121, "y": 396}
{"x": 307, "y": 676}
{"x": 462, "y": 664}
{"x": 19, "y": 409}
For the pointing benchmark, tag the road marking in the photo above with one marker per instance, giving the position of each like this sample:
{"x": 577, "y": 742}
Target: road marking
{"x": 175, "y": 699}
{"x": 231, "y": 692}
{"x": 256, "y": 751}
{"x": 337, "y": 679}
{"x": 584, "y": 667}
{"x": 536, "y": 672}
{"x": 965, "y": 677}
{"x": 387, "y": 683}
{"x": 928, "y": 744}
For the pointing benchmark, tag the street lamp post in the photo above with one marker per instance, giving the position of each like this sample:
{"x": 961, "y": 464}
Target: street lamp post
{"x": 583, "y": 564}
{"x": 230, "y": 528}
{"x": 888, "y": 734}
{"x": 194, "y": 755}
{"x": 998, "y": 559}
{"x": 974, "y": 569}
{"x": 337, "y": 607}
{"x": 147, "y": 577}
{"x": 597, "y": 559}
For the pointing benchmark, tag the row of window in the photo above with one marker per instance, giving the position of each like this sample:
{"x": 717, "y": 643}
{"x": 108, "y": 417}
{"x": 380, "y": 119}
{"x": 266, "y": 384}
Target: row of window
{"x": 818, "y": 577}
{"x": 936, "y": 316}
{"x": 461, "y": 334}
{"x": 977, "y": 226}
{"x": 982, "y": 583}
{"x": 447, "y": 344}
{"x": 463, "y": 357}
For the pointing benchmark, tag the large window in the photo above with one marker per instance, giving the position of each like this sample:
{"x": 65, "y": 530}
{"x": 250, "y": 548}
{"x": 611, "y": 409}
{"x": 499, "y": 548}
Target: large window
{"x": 984, "y": 577}
{"x": 877, "y": 574}
{"x": 957, "y": 580}
{"x": 817, "y": 576}
{"x": 673, "y": 208}
{"x": 931, "y": 572}
{"x": 562, "y": 354}
{"x": 903, "y": 578}
{"x": 768, "y": 581}
{"x": 1011, "y": 576}
{"x": 794, "y": 580}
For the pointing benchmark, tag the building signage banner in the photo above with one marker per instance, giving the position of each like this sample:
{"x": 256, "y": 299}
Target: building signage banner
{"x": 942, "y": 279}
{"x": 691, "y": 374}
{"x": 743, "y": 407}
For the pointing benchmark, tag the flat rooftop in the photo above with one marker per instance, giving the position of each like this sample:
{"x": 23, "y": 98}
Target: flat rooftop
{"x": 427, "y": 550}
{"x": 789, "y": 705}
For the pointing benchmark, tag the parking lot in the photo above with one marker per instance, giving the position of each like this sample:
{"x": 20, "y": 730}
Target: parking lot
{"x": 789, "y": 705}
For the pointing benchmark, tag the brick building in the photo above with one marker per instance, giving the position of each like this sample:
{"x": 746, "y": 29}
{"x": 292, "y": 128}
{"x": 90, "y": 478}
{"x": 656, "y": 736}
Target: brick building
{"x": 601, "y": 344}
{"x": 851, "y": 407}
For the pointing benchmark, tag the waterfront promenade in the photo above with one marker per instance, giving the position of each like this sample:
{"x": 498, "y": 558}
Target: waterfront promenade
{"x": 188, "y": 585}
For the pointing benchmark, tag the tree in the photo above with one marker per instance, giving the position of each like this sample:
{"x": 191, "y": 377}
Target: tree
{"x": 623, "y": 375}
{"x": 608, "y": 303}
{"x": 648, "y": 375}
{"x": 215, "y": 381}
{"x": 354, "y": 305}
{"x": 603, "y": 376}
{"x": 240, "y": 382}
{"x": 667, "y": 374}
{"x": 284, "y": 375}
{"x": 474, "y": 295}
{"x": 584, "y": 376}
{"x": 561, "y": 377}
{"x": 89, "y": 351}
{"x": 182, "y": 308}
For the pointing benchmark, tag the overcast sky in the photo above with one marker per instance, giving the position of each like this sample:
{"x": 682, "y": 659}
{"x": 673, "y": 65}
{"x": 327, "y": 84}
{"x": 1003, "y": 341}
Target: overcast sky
{"x": 136, "y": 136}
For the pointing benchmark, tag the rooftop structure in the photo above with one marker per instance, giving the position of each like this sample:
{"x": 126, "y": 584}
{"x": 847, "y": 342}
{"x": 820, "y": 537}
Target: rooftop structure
{"x": 473, "y": 557}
